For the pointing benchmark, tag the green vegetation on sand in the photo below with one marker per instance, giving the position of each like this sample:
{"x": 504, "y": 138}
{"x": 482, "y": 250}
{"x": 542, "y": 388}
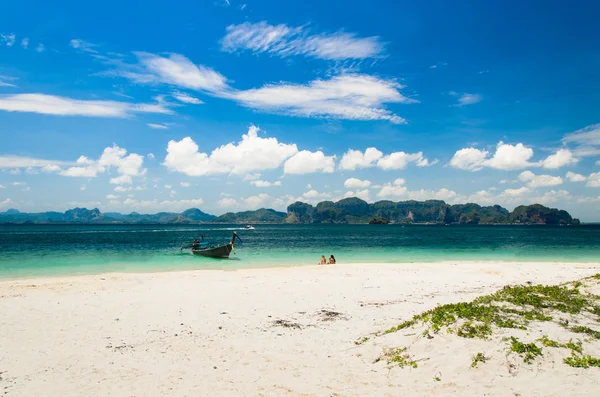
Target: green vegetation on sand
{"x": 515, "y": 308}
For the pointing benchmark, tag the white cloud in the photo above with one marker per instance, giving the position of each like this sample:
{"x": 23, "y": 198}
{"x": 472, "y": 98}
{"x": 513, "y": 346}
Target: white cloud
{"x": 284, "y": 41}
{"x": 361, "y": 194}
{"x": 4, "y": 79}
{"x": 559, "y": 159}
{"x": 251, "y": 154}
{"x": 470, "y": 159}
{"x": 260, "y": 183}
{"x": 8, "y": 39}
{"x": 552, "y": 197}
{"x": 84, "y": 204}
{"x": 121, "y": 180}
{"x": 539, "y": 180}
{"x": 2, "y": 187}
{"x": 435, "y": 66}
{"x": 256, "y": 202}
{"x": 25, "y": 43}
{"x": 40, "y": 48}
{"x": 423, "y": 162}
{"x": 588, "y": 199}
{"x": 354, "y": 159}
{"x": 185, "y": 184}
{"x": 354, "y": 183}
{"x": 63, "y": 106}
{"x": 507, "y": 157}
{"x": 515, "y": 192}
{"x": 347, "y": 96}
{"x": 28, "y": 162}
{"x": 442, "y": 194}
{"x": 112, "y": 196}
{"x": 396, "y": 189}
{"x": 157, "y": 126}
{"x": 227, "y": 203}
{"x": 510, "y": 157}
{"x": 573, "y": 177}
{"x": 127, "y": 165}
{"x": 18, "y": 183}
{"x": 186, "y": 98}
{"x": 351, "y": 96}
{"x": 168, "y": 187}
{"x": 83, "y": 188}
{"x": 306, "y": 162}
{"x": 123, "y": 189}
{"x": 400, "y": 160}
{"x": 150, "y": 156}
{"x": 481, "y": 197}
{"x": 5, "y": 203}
{"x": 312, "y": 196}
{"x": 157, "y": 206}
{"x": 83, "y": 46}
{"x": 175, "y": 70}
{"x": 262, "y": 200}
{"x": 85, "y": 168}
{"x": 251, "y": 177}
{"x": 593, "y": 180}
{"x": 467, "y": 99}
{"x": 586, "y": 139}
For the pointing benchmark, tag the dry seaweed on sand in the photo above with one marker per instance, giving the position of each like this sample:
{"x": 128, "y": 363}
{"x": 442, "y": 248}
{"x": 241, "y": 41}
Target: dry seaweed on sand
{"x": 286, "y": 324}
{"x": 330, "y": 315}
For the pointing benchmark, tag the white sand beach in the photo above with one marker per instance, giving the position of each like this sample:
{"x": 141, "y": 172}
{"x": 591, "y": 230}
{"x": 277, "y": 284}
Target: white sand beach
{"x": 214, "y": 333}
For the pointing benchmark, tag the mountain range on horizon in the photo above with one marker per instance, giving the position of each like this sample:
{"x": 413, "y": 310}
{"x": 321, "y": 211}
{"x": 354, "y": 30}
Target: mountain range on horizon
{"x": 349, "y": 210}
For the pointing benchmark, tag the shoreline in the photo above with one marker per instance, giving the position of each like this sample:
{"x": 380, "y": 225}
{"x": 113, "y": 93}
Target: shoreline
{"x": 224, "y": 268}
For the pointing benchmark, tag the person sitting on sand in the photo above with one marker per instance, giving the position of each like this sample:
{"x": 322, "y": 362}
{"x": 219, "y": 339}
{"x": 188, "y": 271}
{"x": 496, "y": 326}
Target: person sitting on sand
{"x": 331, "y": 260}
{"x": 323, "y": 261}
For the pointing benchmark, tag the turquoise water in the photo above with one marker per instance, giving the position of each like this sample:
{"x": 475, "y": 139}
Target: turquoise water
{"x": 36, "y": 250}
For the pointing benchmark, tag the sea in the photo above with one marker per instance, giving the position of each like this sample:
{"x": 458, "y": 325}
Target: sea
{"x": 51, "y": 250}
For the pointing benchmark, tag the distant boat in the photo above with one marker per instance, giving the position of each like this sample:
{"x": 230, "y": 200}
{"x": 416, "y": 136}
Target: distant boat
{"x": 213, "y": 250}
{"x": 248, "y": 227}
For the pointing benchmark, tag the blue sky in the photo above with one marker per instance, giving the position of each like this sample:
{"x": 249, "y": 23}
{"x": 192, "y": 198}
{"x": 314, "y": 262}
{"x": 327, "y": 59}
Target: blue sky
{"x": 234, "y": 105}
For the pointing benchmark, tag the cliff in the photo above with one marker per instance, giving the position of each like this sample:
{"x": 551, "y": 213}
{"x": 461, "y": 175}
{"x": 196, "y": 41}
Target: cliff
{"x": 354, "y": 210}
{"x": 262, "y": 215}
{"x": 83, "y": 215}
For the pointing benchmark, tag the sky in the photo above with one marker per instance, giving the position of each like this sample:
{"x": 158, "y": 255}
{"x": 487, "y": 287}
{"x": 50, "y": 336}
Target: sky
{"x": 229, "y": 105}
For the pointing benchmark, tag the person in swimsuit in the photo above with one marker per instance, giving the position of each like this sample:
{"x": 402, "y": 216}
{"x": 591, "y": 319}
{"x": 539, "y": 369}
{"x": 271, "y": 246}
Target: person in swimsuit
{"x": 331, "y": 260}
{"x": 323, "y": 261}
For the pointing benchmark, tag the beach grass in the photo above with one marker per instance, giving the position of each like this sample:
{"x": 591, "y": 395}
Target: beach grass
{"x": 514, "y": 307}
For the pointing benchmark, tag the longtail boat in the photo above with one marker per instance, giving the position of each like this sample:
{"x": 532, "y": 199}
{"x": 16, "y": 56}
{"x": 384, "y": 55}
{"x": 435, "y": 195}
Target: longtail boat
{"x": 213, "y": 250}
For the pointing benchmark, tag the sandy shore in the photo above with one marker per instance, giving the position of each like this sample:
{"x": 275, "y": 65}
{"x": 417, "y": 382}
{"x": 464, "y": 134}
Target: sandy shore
{"x": 213, "y": 333}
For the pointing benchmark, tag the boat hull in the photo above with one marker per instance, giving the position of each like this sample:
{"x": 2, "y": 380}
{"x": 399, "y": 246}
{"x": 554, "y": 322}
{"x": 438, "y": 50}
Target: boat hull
{"x": 222, "y": 251}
